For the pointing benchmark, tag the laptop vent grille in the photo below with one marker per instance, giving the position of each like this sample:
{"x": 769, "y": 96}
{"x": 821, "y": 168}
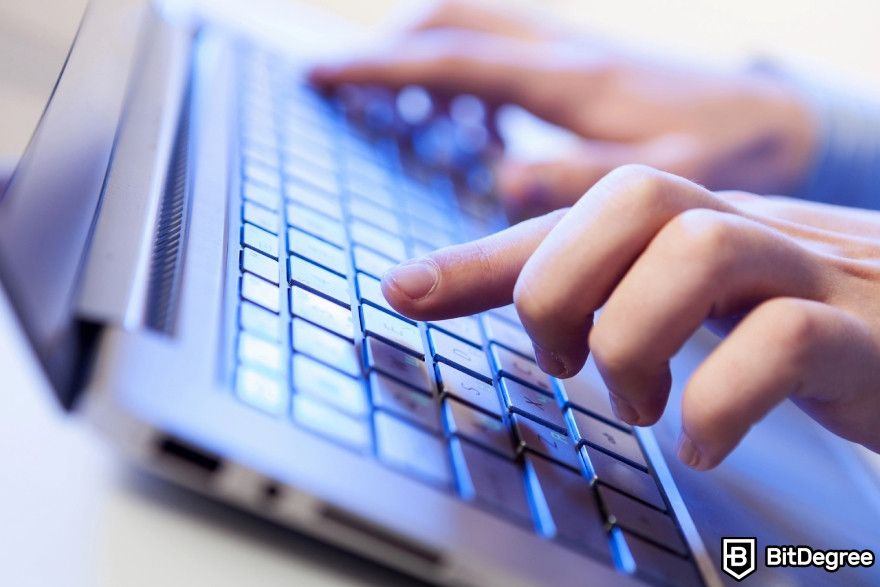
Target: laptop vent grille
{"x": 167, "y": 260}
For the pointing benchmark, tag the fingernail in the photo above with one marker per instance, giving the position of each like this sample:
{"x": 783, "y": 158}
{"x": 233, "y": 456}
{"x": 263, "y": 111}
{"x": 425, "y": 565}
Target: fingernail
{"x": 549, "y": 362}
{"x": 624, "y": 410}
{"x": 416, "y": 279}
{"x": 688, "y": 453}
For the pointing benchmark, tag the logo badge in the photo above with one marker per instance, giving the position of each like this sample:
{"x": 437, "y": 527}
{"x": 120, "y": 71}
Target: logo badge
{"x": 738, "y": 557}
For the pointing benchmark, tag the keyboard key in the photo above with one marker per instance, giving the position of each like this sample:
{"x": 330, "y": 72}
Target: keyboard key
{"x": 257, "y": 352}
{"x": 375, "y": 215}
{"x": 418, "y": 249}
{"x": 371, "y": 262}
{"x": 448, "y": 349}
{"x": 262, "y": 153}
{"x": 315, "y": 224}
{"x": 370, "y": 290}
{"x": 546, "y": 441}
{"x": 422, "y": 211}
{"x": 322, "y": 312}
{"x": 378, "y": 240}
{"x": 403, "y": 401}
{"x": 442, "y": 220}
{"x": 259, "y": 264}
{"x": 301, "y": 134}
{"x": 466, "y": 328}
{"x": 262, "y": 174}
{"x": 392, "y": 329}
{"x": 610, "y": 439}
{"x": 261, "y": 391}
{"x": 468, "y": 389}
{"x": 508, "y": 313}
{"x": 362, "y": 188}
{"x": 324, "y": 159}
{"x": 567, "y": 507}
{"x": 260, "y": 240}
{"x": 329, "y": 423}
{"x": 510, "y": 364}
{"x": 624, "y": 477}
{"x": 314, "y": 199}
{"x": 532, "y": 403}
{"x": 325, "y": 347}
{"x": 318, "y": 280}
{"x": 508, "y": 335}
{"x": 301, "y": 170}
{"x": 412, "y": 450}
{"x": 660, "y": 565}
{"x": 317, "y": 251}
{"x": 265, "y": 197}
{"x": 259, "y": 216}
{"x": 491, "y": 481}
{"x": 365, "y": 170}
{"x": 638, "y": 518}
{"x": 433, "y": 237}
{"x": 258, "y": 129}
{"x": 328, "y": 385}
{"x": 256, "y": 320}
{"x": 589, "y": 396}
{"x": 398, "y": 364}
{"x": 260, "y": 292}
{"x": 478, "y": 427}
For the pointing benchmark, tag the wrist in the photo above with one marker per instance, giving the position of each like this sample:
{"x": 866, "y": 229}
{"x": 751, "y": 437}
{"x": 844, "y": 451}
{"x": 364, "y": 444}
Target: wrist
{"x": 786, "y": 136}
{"x": 795, "y": 124}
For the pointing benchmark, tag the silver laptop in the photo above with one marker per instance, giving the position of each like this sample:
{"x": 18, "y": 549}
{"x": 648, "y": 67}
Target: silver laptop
{"x": 193, "y": 243}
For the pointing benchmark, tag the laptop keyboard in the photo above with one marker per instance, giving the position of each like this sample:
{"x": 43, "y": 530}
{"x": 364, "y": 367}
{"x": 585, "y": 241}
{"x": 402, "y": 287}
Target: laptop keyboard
{"x": 460, "y": 404}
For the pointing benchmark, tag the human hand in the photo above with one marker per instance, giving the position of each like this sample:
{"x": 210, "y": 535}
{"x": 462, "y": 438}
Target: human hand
{"x": 724, "y": 130}
{"x": 795, "y": 285}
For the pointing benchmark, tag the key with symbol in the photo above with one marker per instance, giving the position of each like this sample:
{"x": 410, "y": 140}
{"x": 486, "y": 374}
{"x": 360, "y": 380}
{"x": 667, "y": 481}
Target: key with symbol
{"x": 450, "y": 350}
{"x": 524, "y": 400}
{"x": 612, "y": 440}
{"x": 546, "y": 441}
{"x": 483, "y": 429}
{"x": 468, "y": 389}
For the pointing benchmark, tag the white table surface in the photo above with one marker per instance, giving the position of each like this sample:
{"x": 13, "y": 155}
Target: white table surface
{"x": 71, "y": 513}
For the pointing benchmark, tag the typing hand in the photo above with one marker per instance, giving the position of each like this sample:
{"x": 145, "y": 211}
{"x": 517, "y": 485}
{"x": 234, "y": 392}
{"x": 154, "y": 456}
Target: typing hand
{"x": 725, "y": 130}
{"x": 795, "y": 286}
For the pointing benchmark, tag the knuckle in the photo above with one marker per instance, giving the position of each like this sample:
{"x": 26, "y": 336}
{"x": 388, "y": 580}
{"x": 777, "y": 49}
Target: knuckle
{"x": 707, "y": 236}
{"x": 637, "y": 187}
{"x": 797, "y": 324}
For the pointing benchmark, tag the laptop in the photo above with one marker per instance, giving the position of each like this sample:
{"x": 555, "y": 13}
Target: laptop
{"x": 193, "y": 243}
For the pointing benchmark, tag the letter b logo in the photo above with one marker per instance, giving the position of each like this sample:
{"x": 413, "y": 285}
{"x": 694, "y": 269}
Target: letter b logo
{"x": 738, "y": 557}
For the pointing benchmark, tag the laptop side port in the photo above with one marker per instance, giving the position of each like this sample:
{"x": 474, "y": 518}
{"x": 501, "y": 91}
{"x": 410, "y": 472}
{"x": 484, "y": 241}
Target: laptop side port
{"x": 401, "y": 547}
{"x": 189, "y": 457}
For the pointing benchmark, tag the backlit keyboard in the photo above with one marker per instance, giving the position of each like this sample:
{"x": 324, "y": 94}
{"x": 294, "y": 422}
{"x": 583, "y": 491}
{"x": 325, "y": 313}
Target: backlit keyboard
{"x": 460, "y": 404}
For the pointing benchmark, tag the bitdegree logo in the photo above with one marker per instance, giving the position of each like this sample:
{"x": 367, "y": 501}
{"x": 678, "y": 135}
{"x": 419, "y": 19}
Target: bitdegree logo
{"x": 805, "y": 556}
{"x": 739, "y": 554}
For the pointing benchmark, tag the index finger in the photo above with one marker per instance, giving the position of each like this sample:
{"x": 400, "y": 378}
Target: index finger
{"x": 467, "y": 278}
